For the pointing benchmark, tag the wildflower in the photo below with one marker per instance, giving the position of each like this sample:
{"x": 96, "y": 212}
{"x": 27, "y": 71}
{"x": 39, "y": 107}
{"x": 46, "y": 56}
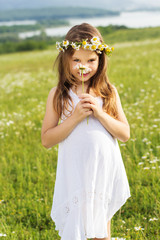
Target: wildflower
{"x": 144, "y": 140}
{"x": 133, "y": 139}
{"x": 9, "y": 122}
{"x": 100, "y": 47}
{"x": 95, "y": 40}
{"x": 99, "y": 52}
{"x": 1, "y": 201}
{"x": 57, "y": 44}
{"x": 2, "y": 235}
{"x": 117, "y": 238}
{"x": 83, "y": 68}
{"x": 93, "y": 47}
{"x": 138, "y": 228}
{"x": 40, "y": 199}
{"x": 73, "y": 45}
{"x": 107, "y": 50}
{"x": 105, "y": 46}
{"x": 154, "y": 161}
{"x": 153, "y": 219}
{"x": 87, "y": 46}
{"x": 65, "y": 43}
{"x": 77, "y": 47}
{"x": 140, "y": 163}
{"x": 154, "y": 125}
{"x": 123, "y": 144}
{"x": 84, "y": 42}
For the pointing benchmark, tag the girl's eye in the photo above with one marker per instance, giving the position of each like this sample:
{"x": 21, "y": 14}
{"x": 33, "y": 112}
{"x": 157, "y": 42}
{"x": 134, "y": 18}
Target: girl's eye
{"x": 91, "y": 60}
{"x": 76, "y": 60}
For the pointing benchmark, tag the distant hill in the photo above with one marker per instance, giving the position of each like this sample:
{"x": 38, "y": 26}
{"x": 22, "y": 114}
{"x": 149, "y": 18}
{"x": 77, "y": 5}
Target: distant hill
{"x": 115, "y": 5}
{"x": 54, "y": 13}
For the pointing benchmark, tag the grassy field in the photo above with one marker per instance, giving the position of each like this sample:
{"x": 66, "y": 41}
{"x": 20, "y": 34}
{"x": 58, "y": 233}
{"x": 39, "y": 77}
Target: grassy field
{"x": 28, "y": 170}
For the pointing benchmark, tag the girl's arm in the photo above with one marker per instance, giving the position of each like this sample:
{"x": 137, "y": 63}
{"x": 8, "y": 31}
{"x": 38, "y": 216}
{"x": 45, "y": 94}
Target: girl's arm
{"x": 51, "y": 132}
{"x": 118, "y": 128}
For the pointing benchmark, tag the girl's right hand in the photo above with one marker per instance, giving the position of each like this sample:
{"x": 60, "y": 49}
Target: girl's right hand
{"x": 82, "y": 110}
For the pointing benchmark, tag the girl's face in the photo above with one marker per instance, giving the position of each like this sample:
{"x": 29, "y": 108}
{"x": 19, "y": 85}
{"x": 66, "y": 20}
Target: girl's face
{"x": 87, "y": 58}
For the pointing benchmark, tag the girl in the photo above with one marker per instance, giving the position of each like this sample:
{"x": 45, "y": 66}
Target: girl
{"x": 91, "y": 183}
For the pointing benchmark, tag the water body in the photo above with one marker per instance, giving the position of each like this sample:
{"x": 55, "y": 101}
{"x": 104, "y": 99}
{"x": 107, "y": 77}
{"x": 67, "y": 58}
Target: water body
{"x": 13, "y": 23}
{"x": 138, "y": 19}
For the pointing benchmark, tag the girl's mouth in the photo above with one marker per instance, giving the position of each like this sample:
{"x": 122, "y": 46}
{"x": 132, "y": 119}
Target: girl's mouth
{"x": 84, "y": 74}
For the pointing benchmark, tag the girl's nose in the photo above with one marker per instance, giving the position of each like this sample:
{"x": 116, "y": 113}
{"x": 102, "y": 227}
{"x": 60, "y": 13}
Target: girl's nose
{"x": 85, "y": 64}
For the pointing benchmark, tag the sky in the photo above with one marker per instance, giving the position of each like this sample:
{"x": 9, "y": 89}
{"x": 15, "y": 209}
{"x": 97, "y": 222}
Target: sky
{"x": 107, "y": 4}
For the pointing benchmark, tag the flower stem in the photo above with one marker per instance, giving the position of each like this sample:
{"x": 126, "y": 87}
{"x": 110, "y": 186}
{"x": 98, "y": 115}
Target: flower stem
{"x": 83, "y": 91}
{"x": 82, "y": 82}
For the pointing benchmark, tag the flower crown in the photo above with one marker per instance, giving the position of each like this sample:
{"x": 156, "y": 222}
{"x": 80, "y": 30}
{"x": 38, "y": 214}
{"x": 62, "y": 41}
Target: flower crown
{"x": 93, "y": 45}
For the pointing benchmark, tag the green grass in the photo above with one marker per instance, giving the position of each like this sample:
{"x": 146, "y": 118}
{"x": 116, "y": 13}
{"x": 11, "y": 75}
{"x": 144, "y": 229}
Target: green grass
{"x": 113, "y": 35}
{"x": 28, "y": 170}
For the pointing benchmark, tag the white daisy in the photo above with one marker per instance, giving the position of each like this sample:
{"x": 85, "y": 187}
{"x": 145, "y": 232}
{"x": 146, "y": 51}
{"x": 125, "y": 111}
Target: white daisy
{"x": 2, "y": 235}
{"x": 93, "y": 47}
{"x": 73, "y": 45}
{"x": 138, "y": 228}
{"x": 77, "y": 47}
{"x": 82, "y": 68}
{"x": 153, "y": 219}
{"x": 105, "y": 46}
{"x": 95, "y": 40}
{"x": 65, "y": 43}
{"x": 87, "y": 46}
{"x": 60, "y": 49}
{"x": 58, "y": 44}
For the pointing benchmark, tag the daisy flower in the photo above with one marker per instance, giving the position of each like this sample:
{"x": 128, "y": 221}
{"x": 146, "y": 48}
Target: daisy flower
{"x": 93, "y": 47}
{"x": 138, "y": 228}
{"x": 65, "y": 43}
{"x": 153, "y": 219}
{"x": 95, "y": 40}
{"x": 87, "y": 46}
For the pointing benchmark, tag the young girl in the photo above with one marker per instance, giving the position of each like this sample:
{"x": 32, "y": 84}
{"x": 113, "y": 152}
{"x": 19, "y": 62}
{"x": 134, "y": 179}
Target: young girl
{"x": 91, "y": 183}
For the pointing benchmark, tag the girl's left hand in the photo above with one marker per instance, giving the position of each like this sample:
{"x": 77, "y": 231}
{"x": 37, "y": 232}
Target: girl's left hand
{"x": 92, "y": 103}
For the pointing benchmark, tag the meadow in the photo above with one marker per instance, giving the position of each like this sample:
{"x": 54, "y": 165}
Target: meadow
{"x": 28, "y": 170}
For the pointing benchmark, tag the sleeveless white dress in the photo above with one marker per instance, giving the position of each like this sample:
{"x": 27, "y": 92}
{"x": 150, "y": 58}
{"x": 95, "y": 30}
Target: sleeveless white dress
{"x": 91, "y": 182}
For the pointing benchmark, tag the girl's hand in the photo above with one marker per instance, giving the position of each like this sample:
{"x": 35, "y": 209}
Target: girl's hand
{"x": 82, "y": 110}
{"x": 91, "y": 103}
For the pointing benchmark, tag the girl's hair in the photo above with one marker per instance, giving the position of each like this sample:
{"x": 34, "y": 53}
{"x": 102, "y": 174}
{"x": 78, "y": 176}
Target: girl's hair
{"x": 99, "y": 83}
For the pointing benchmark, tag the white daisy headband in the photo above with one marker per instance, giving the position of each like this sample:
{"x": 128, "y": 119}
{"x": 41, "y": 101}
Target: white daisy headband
{"x": 93, "y": 45}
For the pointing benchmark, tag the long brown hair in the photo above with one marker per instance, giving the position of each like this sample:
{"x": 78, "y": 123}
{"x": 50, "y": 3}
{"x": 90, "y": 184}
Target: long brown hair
{"x": 99, "y": 83}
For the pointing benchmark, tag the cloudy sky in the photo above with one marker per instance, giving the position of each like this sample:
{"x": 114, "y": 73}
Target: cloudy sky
{"x": 107, "y": 4}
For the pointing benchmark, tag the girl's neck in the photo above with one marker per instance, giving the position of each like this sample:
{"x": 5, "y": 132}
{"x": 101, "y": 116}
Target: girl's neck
{"x": 78, "y": 89}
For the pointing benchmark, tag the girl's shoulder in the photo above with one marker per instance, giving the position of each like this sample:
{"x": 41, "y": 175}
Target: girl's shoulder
{"x": 53, "y": 90}
{"x": 115, "y": 89}
{"x": 51, "y": 95}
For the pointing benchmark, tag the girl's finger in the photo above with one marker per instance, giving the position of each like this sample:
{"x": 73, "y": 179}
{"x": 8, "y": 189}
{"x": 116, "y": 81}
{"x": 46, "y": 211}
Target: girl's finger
{"x": 83, "y": 95}
{"x": 86, "y": 105}
{"x": 88, "y": 100}
{"x": 86, "y": 95}
{"x": 89, "y": 112}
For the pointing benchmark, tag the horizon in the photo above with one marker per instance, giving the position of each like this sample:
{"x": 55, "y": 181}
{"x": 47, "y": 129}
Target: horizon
{"x": 126, "y": 5}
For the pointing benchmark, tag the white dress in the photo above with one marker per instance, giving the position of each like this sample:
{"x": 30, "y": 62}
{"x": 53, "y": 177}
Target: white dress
{"x": 91, "y": 182}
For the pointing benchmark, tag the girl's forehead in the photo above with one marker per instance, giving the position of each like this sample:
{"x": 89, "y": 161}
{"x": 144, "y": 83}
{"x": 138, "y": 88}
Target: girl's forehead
{"x": 84, "y": 53}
